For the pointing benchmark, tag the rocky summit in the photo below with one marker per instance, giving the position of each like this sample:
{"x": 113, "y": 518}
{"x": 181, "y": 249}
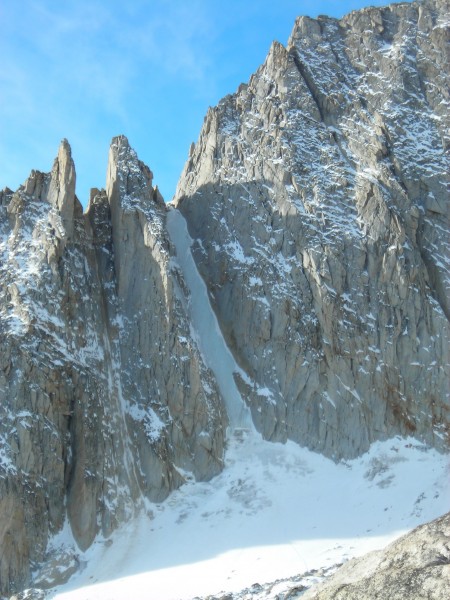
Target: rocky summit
{"x": 316, "y": 199}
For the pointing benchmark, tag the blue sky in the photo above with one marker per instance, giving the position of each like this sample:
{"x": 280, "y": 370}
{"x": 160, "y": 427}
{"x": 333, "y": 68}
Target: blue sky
{"x": 89, "y": 69}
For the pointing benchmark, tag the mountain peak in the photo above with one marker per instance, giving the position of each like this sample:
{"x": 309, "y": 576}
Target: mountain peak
{"x": 128, "y": 177}
{"x": 120, "y": 141}
{"x": 61, "y": 190}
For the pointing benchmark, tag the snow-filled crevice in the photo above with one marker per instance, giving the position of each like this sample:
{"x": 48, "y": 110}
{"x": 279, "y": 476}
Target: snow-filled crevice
{"x": 216, "y": 353}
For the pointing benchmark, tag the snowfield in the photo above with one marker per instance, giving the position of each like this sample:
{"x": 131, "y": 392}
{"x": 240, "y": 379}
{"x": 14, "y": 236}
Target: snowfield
{"x": 274, "y": 512}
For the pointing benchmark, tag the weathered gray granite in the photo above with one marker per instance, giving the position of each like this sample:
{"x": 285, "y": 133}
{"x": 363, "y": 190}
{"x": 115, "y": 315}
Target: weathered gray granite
{"x": 317, "y": 196}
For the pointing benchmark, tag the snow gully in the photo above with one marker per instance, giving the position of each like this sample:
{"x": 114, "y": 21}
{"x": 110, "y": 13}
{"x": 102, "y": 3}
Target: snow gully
{"x": 212, "y": 345}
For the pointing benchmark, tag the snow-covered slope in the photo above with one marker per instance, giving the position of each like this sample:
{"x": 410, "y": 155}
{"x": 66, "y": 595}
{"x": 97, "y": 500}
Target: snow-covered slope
{"x": 274, "y": 512}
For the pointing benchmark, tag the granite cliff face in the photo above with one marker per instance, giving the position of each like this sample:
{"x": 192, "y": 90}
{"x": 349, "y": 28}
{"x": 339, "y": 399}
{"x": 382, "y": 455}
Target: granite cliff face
{"x": 104, "y": 397}
{"x": 316, "y": 197}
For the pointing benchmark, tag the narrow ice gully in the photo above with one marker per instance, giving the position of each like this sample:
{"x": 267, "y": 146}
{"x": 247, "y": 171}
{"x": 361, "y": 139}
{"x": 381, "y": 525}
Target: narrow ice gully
{"x": 215, "y": 352}
{"x": 274, "y": 512}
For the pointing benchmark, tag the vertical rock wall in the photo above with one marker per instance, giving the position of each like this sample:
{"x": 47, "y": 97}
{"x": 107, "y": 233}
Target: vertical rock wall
{"x": 318, "y": 198}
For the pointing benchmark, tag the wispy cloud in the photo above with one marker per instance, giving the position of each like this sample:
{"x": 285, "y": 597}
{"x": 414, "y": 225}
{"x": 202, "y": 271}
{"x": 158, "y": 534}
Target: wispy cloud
{"x": 15, "y": 90}
{"x": 88, "y": 67}
{"x": 174, "y": 40}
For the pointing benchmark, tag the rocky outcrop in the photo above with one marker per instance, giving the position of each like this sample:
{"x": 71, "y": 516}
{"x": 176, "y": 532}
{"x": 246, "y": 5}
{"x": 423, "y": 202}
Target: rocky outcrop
{"x": 415, "y": 566}
{"x": 104, "y": 397}
{"x": 317, "y": 198}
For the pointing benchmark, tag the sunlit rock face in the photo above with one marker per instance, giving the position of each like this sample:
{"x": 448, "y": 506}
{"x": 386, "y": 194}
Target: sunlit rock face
{"x": 104, "y": 397}
{"x": 415, "y": 566}
{"x": 317, "y": 197}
